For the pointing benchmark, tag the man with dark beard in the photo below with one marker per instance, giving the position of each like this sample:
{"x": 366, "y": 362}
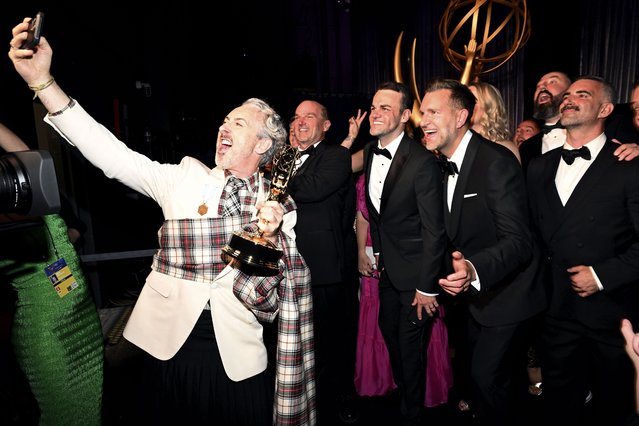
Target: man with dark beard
{"x": 548, "y": 96}
{"x": 583, "y": 204}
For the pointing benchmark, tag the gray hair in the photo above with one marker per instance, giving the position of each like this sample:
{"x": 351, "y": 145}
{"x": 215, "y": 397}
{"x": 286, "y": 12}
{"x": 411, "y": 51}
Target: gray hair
{"x": 273, "y": 128}
{"x": 607, "y": 90}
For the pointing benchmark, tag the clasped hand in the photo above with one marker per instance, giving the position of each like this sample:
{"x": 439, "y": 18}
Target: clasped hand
{"x": 459, "y": 281}
{"x": 582, "y": 280}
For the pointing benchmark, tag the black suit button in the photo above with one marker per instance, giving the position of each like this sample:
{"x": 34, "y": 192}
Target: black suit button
{"x": 580, "y": 245}
{"x": 591, "y": 218}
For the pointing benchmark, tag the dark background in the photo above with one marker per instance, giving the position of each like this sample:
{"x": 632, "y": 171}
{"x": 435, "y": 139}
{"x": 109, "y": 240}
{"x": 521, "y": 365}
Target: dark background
{"x": 200, "y": 61}
{"x": 162, "y": 75}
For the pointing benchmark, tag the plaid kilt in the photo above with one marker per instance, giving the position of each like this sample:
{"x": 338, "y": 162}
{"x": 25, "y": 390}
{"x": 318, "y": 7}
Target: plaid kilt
{"x": 191, "y": 249}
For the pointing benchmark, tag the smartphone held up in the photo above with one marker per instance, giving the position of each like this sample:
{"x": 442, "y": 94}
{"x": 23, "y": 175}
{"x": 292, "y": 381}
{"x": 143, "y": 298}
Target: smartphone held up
{"x": 34, "y": 32}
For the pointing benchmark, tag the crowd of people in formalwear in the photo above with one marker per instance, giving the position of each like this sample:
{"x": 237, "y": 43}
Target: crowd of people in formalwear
{"x": 540, "y": 249}
{"x": 532, "y": 244}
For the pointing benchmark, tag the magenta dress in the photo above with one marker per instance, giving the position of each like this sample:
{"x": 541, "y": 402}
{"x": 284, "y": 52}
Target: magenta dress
{"x": 373, "y": 374}
{"x": 439, "y": 371}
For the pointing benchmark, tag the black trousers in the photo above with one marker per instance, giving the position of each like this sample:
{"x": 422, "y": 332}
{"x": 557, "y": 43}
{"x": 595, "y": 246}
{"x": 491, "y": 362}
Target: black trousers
{"x": 406, "y": 348}
{"x": 576, "y": 359}
{"x": 495, "y": 353}
{"x": 335, "y": 314}
{"x": 193, "y": 388}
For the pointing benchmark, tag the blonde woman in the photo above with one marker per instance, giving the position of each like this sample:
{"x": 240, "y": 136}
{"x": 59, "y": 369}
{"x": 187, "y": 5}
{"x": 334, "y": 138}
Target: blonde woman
{"x": 489, "y": 118}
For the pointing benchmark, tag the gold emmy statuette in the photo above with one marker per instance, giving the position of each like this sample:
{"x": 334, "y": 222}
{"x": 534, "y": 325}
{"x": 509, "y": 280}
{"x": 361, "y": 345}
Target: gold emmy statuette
{"x": 248, "y": 250}
{"x": 483, "y": 21}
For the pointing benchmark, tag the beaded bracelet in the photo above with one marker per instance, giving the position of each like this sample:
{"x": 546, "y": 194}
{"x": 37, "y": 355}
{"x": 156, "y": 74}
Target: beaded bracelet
{"x": 70, "y": 105}
{"x": 40, "y": 87}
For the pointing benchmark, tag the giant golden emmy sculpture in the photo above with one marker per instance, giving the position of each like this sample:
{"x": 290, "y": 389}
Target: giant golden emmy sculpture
{"x": 248, "y": 250}
{"x": 463, "y": 18}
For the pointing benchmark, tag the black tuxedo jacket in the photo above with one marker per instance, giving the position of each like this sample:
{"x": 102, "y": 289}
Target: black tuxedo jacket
{"x": 324, "y": 192}
{"x": 618, "y": 126}
{"x": 408, "y": 231}
{"x": 529, "y": 149}
{"x": 489, "y": 223}
{"x": 598, "y": 227}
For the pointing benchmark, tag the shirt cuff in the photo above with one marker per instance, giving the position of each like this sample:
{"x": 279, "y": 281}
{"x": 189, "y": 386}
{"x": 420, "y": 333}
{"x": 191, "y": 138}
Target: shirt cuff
{"x": 601, "y": 287}
{"x": 427, "y": 294}
{"x": 476, "y": 282}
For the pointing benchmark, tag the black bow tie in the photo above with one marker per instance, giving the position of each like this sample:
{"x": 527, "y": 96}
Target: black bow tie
{"x": 307, "y": 151}
{"x": 547, "y": 128}
{"x": 447, "y": 166}
{"x": 379, "y": 151}
{"x": 569, "y": 155}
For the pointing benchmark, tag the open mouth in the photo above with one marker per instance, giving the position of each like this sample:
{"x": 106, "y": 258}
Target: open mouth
{"x": 224, "y": 145}
{"x": 429, "y": 134}
{"x": 544, "y": 98}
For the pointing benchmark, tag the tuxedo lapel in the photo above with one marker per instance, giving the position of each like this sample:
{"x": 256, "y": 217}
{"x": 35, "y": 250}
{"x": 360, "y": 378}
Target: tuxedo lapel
{"x": 552, "y": 195}
{"x": 558, "y": 214}
{"x": 452, "y": 224}
{"x": 446, "y": 211}
{"x": 595, "y": 173}
{"x": 395, "y": 171}
{"x": 368, "y": 161}
{"x": 312, "y": 159}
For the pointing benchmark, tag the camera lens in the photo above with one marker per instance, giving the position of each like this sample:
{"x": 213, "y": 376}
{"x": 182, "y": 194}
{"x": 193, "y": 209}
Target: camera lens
{"x": 15, "y": 190}
{"x": 28, "y": 184}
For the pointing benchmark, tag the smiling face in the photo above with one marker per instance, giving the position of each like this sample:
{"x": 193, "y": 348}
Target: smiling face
{"x": 526, "y": 130}
{"x": 310, "y": 124}
{"x": 238, "y": 146}
{"x": 585, "y": 105}
{"x": 548, "y": 95}
{"x": 387, "y": 119}
{"x": 442, "y": 123}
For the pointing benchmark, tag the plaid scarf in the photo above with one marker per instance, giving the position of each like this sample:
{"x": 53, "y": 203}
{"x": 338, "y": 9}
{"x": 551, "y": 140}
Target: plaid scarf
{"x": 191, "y": 249}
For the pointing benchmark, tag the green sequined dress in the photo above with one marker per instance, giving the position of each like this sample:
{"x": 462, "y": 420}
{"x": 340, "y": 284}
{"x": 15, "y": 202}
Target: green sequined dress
{"x": 57, "y": 340}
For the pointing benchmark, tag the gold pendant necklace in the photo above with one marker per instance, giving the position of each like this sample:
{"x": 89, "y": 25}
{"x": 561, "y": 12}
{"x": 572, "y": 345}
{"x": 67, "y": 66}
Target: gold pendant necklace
{"x": 206, "y": 194}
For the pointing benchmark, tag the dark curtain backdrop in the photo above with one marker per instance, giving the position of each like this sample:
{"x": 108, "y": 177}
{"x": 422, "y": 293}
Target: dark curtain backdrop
{"x": 375, "y": 35}
{"x": 610, "y": 43}
{"x": 336, "y": 50}
{"x": 574, "y": 36}
{"x": 165, "y": 73}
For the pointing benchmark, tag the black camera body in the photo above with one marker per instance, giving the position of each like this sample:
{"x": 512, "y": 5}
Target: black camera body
{"x": 28, "y": 183}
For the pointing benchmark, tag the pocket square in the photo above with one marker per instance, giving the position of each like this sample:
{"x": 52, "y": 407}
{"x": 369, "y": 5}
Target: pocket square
{"x": 474, "y": 194}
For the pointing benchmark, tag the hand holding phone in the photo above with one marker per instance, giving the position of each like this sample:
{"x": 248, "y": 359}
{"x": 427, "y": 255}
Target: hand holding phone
{"x": 34, "y": 32}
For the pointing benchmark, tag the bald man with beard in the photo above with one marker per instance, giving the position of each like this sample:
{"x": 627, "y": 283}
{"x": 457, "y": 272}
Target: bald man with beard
{"x": 547, "y": 98}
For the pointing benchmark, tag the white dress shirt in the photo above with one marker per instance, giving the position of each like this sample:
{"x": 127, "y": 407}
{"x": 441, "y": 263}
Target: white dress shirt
{"x": 553, "y": 139}
{"x": 379, "y": 170}
{"x": 569, "y": 175}
{"x": 302, "y": 158}
{"x": 458, "y": 159}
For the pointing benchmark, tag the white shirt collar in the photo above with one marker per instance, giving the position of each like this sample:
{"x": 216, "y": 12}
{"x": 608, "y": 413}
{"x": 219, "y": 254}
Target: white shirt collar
{"x": 460, "y": 152}
{"x": 393, "y": 145}
{"x": 594, "y": 146}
